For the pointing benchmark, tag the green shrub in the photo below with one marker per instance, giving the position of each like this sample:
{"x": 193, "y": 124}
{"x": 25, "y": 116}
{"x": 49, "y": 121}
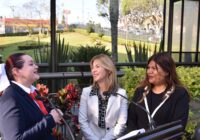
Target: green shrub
{"x": 85, "y": 54}
{"x": 190, "y": 77}
{"x": 72, "y": 27}
{"x": 131, "y": 79}
{"x": 94, "y": 35}
{"x": 81, "y": 31}
{"x": 15, "y": 34}
{"x": 101, "y": 35}
{"x": 90, "y": 27}
{"x": 27, "y": 47}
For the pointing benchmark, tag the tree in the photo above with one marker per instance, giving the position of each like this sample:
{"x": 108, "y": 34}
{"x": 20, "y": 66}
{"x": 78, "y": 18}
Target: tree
{"x": 126, "y": 6}
{"x": 114, "y": 16}
{"x": 63, "y": 20}
{"x": 110, "y": 9}
{"x": 36, "y": 9}
{"x": 146, "y": 5}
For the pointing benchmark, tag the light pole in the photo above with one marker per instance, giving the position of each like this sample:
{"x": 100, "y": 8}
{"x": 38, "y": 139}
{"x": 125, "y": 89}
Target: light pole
{"x": 66, "y": 13}
{"x": 12, "y": 7}
{"x": 83, "y": 12}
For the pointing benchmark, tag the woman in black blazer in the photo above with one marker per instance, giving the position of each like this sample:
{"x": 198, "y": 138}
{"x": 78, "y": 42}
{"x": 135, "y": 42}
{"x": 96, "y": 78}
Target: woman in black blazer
{"x": 161, "y": 94}
{"x": 21, "y": 117}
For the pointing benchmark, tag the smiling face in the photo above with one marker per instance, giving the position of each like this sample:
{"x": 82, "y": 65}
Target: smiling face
{"x": 98, "y": 72}
{"x": 156, "y": 75}
{"x": 28, "y": 74}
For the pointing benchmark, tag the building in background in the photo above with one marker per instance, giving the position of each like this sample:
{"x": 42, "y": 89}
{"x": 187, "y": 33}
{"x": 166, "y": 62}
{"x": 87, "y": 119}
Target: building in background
{"x": 17, "y": 25}
{"x": 2, "y": 25}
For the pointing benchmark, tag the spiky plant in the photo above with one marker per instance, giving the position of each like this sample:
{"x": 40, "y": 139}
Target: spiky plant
{"x": 43, "y": 55}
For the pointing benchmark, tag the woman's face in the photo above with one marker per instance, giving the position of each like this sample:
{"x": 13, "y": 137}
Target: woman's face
{"x": 98, "y": 72}
{"x": 156, "y": 75}
{"x": 28, "y": 74}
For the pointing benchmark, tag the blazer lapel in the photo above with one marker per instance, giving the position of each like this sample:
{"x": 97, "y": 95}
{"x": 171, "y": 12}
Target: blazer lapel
{"x": 94, "y": 104}
{"x": 111, "y": 100}
{"x": 26, "y": 97}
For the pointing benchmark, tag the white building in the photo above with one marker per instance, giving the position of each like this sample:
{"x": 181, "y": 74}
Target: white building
{"x": 2, "y": 25}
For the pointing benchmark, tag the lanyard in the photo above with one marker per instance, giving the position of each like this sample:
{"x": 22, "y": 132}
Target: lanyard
{"x": 156, "y": 109}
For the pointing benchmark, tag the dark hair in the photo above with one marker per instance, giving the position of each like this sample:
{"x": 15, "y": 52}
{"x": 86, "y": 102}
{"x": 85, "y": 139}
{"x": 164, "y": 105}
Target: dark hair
{"x": 13, "y": 61}
{"x": 165, "y": 61}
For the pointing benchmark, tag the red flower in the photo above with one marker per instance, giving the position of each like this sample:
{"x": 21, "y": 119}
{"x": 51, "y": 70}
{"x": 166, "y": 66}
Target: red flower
{"x": 57, "y": 133}
{"x": 68, "y": 96}
{"x": 43, "y": 90}
{"x": 69, "y": 87}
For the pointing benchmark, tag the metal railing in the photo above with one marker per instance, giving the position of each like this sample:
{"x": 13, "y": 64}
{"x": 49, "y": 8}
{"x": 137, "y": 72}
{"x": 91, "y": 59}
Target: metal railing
{"x": 70, "y": 75}
{"x": 81, "y": 74}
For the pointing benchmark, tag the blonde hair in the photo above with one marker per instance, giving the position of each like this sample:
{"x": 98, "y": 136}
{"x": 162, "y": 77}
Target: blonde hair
{"x": 107, "y": 63}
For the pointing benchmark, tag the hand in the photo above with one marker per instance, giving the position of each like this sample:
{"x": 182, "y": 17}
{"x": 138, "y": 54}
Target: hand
{"x": 57, "y": 115}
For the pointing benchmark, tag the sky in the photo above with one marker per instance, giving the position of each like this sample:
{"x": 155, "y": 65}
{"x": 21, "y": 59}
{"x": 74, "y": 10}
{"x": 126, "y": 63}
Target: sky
{"x": 81, "y": 11}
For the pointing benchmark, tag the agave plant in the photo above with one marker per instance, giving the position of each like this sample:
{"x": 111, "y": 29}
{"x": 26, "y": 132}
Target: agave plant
{"x": 141, "y": 52}
{"x": 43, "y": 55}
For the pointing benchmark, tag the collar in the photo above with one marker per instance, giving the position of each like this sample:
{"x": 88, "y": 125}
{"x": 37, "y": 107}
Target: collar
{"x": 95, "y": 91}
{"x": 4, "y": 82}
{"x": 27, "y": 90}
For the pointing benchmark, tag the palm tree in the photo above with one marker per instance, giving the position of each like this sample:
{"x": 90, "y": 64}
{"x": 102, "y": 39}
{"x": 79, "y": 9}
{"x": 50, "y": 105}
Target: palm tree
{"x": 114, "y": 15}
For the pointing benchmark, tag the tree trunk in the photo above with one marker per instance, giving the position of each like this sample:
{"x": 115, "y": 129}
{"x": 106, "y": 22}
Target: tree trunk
{"x": 114, "y": 15}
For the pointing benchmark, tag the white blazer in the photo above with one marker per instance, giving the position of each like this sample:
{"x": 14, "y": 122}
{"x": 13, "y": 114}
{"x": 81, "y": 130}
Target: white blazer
{"x": 115, "y": 119}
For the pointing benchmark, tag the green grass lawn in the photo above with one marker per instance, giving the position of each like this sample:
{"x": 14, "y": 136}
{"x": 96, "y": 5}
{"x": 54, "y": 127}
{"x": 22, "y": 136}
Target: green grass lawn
{"x": 4, "y": 41}
{"x": 10, "y": 44}
{"x": 73, "y": 38}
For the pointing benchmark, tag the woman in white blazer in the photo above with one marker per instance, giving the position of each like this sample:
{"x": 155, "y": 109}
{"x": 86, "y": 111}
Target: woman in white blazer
{"x": 103, "y": 113}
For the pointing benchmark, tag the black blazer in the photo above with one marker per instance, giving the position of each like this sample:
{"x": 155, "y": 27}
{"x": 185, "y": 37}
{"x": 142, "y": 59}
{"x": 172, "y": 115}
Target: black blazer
{"x": 175, "y": 108}
{"x": 20, "y": 117}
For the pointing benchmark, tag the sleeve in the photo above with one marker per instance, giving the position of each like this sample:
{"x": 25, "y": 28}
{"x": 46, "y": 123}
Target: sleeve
{"x": 121, "y": 121}
{"x": 83, "y": 118}
{"x": 181, "y": 107}
{"x": 13, "y": 123}
{"x": 132, "y": 117}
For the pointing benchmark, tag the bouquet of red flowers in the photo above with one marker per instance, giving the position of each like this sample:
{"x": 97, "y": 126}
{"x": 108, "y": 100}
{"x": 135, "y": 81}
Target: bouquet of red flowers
{"x": 67, "y": 99}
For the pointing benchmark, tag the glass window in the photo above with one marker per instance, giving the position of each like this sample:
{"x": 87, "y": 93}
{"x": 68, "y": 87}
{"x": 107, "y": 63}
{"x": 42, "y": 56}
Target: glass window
{"x": 191, "y": 9}
{"x": 176, "y": 27}
{"x": 24, "y": 24}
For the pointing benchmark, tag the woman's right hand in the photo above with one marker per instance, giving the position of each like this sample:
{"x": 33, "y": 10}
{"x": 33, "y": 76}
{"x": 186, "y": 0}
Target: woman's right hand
{"x": 57, "y": 115}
